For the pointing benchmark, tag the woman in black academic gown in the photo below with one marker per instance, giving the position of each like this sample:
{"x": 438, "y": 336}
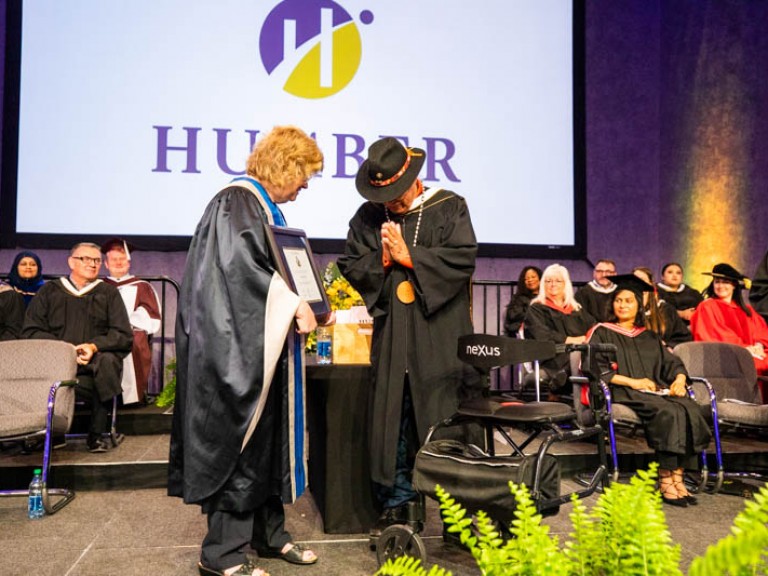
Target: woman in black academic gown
{"x": 661, "y": 317}
{"x": 681, "y": 297}
{"x": 646, "y": 377}
{"x": 555, "y": 316}
{"x": 528, "y": 285}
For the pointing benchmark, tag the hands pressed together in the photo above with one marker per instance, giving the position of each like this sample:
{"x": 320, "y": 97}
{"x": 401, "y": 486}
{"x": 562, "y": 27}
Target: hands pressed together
{"x": 393, "y": 243}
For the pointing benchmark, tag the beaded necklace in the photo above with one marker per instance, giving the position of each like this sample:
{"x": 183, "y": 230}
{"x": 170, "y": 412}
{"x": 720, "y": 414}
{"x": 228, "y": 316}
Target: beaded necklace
{"x": 421, "y": 211}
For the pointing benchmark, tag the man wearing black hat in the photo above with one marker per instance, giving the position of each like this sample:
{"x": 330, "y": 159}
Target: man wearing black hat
{"x": 87, "y": 312}
{"x": 143, "y": 309}
{"x": 410, "y": 252}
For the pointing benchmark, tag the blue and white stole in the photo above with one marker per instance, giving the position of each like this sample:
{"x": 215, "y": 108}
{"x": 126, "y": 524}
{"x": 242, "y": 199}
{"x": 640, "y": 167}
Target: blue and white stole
{"x": 296, "y": 375}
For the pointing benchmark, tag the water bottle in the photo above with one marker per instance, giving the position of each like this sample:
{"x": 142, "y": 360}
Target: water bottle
{"x": 35, "y": 505}
{"x": 324, "y": 345}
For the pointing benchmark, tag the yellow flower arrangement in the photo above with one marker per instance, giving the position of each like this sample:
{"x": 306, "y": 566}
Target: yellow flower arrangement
{"x": 341, "y": 295}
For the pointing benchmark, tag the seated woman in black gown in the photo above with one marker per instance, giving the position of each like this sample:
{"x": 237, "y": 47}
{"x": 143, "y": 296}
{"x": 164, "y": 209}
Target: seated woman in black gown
{"x": 683, "y": 298}
{"x": 645, "y": 376}
{"x": 555, "y": 316}
{"x": 528, "y": 284}
{"x": 661, "y": 317}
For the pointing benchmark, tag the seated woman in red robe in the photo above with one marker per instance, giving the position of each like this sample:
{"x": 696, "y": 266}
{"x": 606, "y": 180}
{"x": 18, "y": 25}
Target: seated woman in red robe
{"x": 644, "y": 376}
{"x": 724, "y": 317}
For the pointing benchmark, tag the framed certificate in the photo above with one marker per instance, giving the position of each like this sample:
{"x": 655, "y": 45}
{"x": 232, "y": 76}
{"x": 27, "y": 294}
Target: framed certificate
{"x": 297, "y": 266}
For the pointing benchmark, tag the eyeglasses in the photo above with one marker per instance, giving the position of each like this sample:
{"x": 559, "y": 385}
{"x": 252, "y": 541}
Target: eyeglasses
{"x": 554, "y": 281}
{"x": 88, "y": 260}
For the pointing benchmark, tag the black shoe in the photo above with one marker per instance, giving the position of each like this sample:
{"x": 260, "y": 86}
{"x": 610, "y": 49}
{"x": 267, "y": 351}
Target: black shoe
{"x": 390, "y": 516}
{"x": 558, "y": 381}
{"x": 97, "y": 446}
{"x": 680, "y": 502}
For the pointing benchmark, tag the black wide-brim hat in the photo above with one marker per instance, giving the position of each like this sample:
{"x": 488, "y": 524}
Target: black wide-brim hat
{"x": 727, "y": 272}
{"x": 389, "y": 171}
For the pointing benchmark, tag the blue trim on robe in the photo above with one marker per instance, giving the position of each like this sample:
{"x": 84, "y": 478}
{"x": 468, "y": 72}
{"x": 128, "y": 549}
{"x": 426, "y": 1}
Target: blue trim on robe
{"x": 277, "y": 215}
{"x": 299, "y": 474}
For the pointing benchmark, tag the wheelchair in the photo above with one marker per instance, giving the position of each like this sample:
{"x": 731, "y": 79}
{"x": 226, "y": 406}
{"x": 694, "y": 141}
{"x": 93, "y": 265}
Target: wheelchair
{"x": 476, "y": 476}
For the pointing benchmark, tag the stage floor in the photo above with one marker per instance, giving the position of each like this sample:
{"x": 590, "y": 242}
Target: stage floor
{"x": 122, "y": 522}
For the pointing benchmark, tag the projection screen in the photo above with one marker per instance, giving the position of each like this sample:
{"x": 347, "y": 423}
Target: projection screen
{"x": 131, "y": 114}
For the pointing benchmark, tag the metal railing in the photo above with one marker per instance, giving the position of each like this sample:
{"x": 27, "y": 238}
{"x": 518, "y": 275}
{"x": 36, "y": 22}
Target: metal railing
{"x": 164, "y": 286}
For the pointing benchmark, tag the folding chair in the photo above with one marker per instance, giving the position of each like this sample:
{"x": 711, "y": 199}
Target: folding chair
{"x": 37, "y": 398}
{"x": 729, "y": 371}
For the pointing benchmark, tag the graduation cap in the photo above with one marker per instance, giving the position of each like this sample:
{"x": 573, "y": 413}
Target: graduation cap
{"x": 633, "y": 284}
{"x": 119, "y": 244}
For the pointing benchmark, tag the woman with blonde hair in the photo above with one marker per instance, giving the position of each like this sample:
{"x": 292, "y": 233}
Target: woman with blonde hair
{"x": 555, "y": 316}
{"x": 237, "y": 436}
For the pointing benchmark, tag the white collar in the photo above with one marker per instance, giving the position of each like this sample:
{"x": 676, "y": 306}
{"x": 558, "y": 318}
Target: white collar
{"x": 602, "y": 289}
{"x": 669, "y": 288}
{"x": 72, "y": 289}
{"x": 423, "y": 197}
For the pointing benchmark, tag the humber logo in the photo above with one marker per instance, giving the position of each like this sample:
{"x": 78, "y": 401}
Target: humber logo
{"x": 314, "y": 45}
{"x": 483, "y": 350}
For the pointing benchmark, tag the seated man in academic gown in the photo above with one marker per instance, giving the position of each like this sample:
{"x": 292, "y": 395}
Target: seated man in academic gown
{"x": 143, "y": 309}
{"x": 89, "y": 313}
{"x": 11, "y": 312}
{"x": 595, "y": 297}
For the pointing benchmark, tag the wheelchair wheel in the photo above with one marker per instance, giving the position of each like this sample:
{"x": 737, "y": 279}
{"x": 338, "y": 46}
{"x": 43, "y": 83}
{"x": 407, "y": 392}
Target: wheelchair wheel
{"x": 399, "y": 540}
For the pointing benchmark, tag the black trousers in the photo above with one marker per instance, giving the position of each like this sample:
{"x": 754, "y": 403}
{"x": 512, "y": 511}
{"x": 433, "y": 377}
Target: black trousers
{"x": 98, "y": 383}
{"x": 230, "y": 534}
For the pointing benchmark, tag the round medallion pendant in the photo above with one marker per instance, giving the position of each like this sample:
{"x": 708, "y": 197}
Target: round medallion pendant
{"x": 405, "y": 292}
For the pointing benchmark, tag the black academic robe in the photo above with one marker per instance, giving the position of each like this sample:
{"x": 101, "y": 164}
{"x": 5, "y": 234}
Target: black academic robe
{"x": 421, "y": 337}
{"x": 758, "y": 292}
{"x": 544, "y": 323}
{"x": 672, "y": 424}
{"x": 683, "y": 298}
{"x": 95, "y": 315}
{"x": 229, "y": 441}
{"x": 516, "y": 310}
{"x": 11, "y": 313}
{"x": 596, "y": 303}
{"x": 675, "y": 330}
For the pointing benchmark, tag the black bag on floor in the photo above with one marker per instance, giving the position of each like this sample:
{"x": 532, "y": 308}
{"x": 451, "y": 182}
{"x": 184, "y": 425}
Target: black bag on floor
{"x": 481, "y": 482}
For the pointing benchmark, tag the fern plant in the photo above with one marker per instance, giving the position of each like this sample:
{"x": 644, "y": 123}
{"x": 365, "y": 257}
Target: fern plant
{"x": 168, "y": 395}
{"x": 625, "y": 533}
{"x": 743, "y": 552}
